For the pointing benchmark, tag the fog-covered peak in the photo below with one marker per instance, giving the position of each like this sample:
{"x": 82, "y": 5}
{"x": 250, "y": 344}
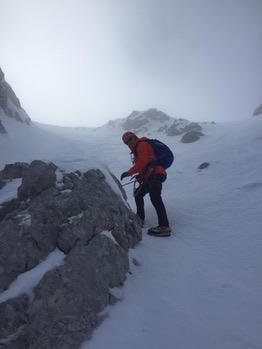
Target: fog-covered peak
{"x": 153, "y": 120}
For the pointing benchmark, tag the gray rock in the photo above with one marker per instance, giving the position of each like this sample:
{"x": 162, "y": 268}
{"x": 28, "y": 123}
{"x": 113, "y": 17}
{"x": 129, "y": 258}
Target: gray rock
{"x": 38, "y": 177}
{"x": 13, "y": 315}
{"x": 92, "y": 225}
{"x": 191, "y": 136}
{"x": 8, "y": 207}
{"x": 68, "y": 300}
{"x": 181, "y": 126}
{"x": 15, "y": 170}
{"x": 258, "y": 110}
{"x": 203, "y": 165}
{"x": 22, "y": 247}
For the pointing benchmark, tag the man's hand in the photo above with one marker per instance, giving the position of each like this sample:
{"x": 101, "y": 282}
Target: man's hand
{"x": 124, "y": 175}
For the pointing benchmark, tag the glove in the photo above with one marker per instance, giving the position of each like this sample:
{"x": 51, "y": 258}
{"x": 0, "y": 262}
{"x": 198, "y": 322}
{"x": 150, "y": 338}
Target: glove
{"x": 139, "y": 178}
{"x": 124, "y": 175}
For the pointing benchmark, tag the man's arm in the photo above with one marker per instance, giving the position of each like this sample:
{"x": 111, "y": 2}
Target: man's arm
{"x": 143, "y": 158}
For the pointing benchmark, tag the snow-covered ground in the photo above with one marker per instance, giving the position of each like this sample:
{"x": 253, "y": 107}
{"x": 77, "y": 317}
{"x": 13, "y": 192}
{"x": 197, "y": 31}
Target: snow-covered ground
{"x": 201, "y": 288}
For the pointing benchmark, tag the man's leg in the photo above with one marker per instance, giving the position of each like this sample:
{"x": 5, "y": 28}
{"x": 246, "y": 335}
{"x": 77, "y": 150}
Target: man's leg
{"x": 155, "y": 188}
{"x": 139, "y": 194}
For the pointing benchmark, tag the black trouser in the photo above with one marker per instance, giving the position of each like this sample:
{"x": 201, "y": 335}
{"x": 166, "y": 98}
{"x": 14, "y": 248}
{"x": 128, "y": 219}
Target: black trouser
{"x": 153, "y": 186}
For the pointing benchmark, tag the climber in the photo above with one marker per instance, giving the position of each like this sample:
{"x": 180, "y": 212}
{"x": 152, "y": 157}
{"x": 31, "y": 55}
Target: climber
{"x": 150, "y": 175}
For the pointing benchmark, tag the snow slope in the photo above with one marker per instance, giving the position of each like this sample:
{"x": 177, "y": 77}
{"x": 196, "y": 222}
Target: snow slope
{"x": 200, "y": 288}
{"x": 28, "y": 142}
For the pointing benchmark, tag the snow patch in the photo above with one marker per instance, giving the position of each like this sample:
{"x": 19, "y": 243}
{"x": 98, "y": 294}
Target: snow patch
{"x": 26, "y": 282}
{"x": 24, "y": 219}
{"x": 72, "y": 219}
{"x": 9, "y": 191}
{"x": 117, "y": 292}
{"x": 59, "y": 178}
{"x": 109, "y": 235}
{"x": 66, "y": 191}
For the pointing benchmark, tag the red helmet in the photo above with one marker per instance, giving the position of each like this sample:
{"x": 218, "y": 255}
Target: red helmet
{"x": 128, "y": 136}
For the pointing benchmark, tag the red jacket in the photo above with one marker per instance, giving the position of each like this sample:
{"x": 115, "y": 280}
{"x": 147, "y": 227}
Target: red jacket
{"x": 144, "y": 154}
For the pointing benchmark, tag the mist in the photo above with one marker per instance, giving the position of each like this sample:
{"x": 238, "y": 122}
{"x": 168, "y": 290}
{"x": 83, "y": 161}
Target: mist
{"x": 84, "y": 62}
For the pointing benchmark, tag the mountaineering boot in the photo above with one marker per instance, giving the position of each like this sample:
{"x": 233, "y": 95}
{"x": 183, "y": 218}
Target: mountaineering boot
{"x": 160, "y": 231}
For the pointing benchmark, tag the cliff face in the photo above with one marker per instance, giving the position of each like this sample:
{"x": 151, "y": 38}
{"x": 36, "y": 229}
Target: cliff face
{"x": 10, "y": 104}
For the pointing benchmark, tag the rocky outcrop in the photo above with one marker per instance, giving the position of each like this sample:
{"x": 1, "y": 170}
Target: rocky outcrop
{"x": 191, "y": 136}
{"x": 82, "y": 216}
{"x": 137, "y": 120}
{"x": 258, "y": 110}
{"x": 181, "y": 126}
{"x": 152, "y": 121}
{"x": 12, "y": 171}
{"x": 10, "y": 104}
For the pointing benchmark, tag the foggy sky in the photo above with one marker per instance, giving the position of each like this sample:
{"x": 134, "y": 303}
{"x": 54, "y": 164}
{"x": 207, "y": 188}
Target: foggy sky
{"x": 83, "y": 62}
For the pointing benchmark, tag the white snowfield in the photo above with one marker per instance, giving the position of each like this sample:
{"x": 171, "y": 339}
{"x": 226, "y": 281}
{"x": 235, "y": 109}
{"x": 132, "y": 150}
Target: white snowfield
{"x": 201, "y": 288}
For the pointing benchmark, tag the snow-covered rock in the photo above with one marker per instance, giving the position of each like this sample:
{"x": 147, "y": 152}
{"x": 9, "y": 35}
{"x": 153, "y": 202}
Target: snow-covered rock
{"x": 72, "y": 218}
{"x": 153, "y": 121}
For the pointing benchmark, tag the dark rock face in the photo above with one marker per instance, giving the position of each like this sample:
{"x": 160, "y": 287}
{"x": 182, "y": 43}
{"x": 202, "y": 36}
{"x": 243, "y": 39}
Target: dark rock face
{"x": 10, "y": 103}
{"x": 191, "y": 136}
{"x": 258, "y": 110}
{"x": 72, "y": 215}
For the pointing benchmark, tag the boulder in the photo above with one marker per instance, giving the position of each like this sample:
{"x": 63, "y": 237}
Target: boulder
{"x": 181, "y": 126}
{"x": 258, "y": 110}
{"x": 37, "y": 177}
{"x": 203, "y": 165}
{"x": 191, "y": 136}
